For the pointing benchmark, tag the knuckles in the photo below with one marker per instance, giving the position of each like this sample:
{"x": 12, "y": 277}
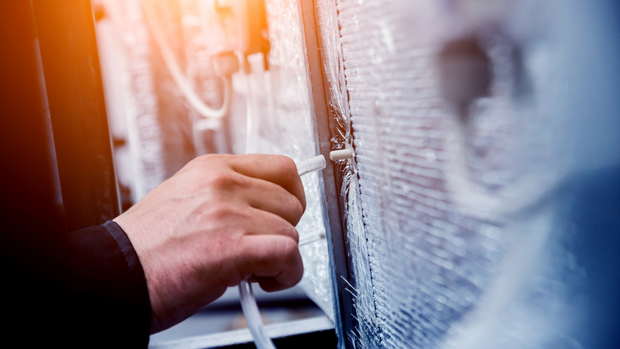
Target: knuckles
{"x": 288, "y": 250}
{"x": 290, "y": 176}
{"x": 296, "y": 209}
{"x": 221, "y": 179}
{"x": 221, "y": 211}
{"x": 289, "y": 257}
{"x": 291, "y": 232}
{"x": 226, "y": 216}
{"x": 280, "y": 256}
{"x": 287, "y": 166}
{"x": 212, "y": 158}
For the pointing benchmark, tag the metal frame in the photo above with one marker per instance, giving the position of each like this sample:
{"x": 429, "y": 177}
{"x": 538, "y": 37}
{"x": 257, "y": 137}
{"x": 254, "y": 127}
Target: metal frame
{"x": 294, "y": 334}
{"x": 331, "y": 181}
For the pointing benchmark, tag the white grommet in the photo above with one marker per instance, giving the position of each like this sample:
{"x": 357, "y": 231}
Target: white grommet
{"x": 341, "y": 154}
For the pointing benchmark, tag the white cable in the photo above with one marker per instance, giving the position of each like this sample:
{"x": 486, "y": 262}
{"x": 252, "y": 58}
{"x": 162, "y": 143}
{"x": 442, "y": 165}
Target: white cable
{"x": 248, "y": 302}
{"x": 194, "y": 100}
{"x": 252, "y": 316}
{"x": 251, "y": 126}
{"x": 308, "y": 239}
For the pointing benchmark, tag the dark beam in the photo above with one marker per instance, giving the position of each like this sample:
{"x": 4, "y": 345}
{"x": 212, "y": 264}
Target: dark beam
{"x": 29, "y": 191}
{"x": 77, "y": 107}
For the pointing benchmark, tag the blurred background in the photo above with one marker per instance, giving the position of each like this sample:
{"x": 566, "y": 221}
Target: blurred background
{"x": 482, "y": 207}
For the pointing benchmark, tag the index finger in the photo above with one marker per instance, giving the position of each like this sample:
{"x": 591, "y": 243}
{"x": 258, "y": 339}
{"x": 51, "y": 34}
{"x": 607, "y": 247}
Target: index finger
{"x": 278, "y": 169}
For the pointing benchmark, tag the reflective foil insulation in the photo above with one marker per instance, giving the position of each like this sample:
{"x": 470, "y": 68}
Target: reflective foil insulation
{"x": 478, "y": 128}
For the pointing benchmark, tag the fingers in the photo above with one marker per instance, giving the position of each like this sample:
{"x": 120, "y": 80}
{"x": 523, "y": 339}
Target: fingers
{"x": 270, "y": 285}
{"x": 272, "y": 198}
{"x": 265, "y": 223}
{"x": 277, "y": 169}
{"x": 273, "y": 260}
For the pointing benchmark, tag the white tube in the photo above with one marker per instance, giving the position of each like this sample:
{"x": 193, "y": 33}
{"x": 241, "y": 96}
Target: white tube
{"x": 252, "y": 316}
{"x": 310, "y": 165}
{"x": 171, "y": 63}
{"x": 308, "y": 239}
{"x": 248, "y": 302}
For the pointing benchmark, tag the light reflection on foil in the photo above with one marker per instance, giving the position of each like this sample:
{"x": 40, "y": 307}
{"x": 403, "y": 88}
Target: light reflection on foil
{"x": 459, "y": 227}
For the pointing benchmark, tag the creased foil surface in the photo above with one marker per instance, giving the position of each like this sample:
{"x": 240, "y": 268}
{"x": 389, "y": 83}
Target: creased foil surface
{"x": 432, "y": 259}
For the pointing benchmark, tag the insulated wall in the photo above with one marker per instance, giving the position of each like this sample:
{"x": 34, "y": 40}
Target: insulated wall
{"x": 468, "y": 119}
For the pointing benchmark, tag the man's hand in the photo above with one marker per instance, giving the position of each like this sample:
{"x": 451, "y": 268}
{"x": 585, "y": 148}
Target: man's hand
{"x": 220, "y": 220}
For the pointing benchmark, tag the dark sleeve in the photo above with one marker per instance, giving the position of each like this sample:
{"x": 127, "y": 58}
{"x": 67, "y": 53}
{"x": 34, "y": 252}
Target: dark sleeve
{"x": 94, "y": 296}
{"x": 110, "y": 285}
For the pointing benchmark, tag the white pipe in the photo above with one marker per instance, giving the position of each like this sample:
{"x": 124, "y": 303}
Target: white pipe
{"x": 252, "y": 316}
{"x": 310, "y": 165}
{"x": 248, "y": 302}
{"x": 316, "y": 236}
{"x": 171, "y": 63}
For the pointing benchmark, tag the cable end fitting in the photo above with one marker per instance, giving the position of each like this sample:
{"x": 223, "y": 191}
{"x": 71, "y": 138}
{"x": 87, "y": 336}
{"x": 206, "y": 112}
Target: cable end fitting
{"x": 341, "y": 154}
{"x": 313, "y": 164}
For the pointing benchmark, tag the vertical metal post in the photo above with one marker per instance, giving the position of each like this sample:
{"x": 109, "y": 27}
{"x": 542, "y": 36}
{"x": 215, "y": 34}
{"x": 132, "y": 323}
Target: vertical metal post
{"x": 77, "y": 107}
{"x": 336, "y": 232}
